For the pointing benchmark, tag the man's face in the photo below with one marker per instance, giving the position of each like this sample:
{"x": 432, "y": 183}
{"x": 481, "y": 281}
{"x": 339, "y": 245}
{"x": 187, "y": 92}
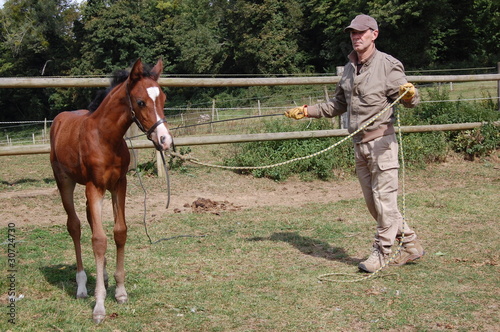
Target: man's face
{"x": 362, "y": 40}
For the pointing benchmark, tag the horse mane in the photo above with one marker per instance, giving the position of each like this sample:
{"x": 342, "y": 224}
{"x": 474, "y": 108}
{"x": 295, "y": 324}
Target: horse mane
{"x": 118, "y": 77}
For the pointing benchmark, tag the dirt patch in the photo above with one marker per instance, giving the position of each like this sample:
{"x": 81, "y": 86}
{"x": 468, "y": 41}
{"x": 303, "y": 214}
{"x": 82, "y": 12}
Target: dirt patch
{"x": 202, "y": 205}
{"x": 204, "y": 190}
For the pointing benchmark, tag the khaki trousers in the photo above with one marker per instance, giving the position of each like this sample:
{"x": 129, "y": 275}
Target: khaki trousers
{"x": 377, "y": 169}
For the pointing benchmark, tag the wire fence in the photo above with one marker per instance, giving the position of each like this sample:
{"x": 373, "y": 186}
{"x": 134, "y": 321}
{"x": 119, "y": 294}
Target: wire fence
{"x": 211, "y": 119}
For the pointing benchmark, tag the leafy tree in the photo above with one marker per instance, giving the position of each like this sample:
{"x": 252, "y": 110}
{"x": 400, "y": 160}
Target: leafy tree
{"x": 200, "y": 37}
{"x": 116, "y": 33}
{"x": 264, "y": 36}
{"x": 36, "y": 40}
{"x": 323, "y": 35}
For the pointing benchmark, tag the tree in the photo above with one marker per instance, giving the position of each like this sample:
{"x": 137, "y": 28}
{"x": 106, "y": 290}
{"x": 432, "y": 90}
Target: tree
{"x": 36, "y": 40}
{"x": 264, "y": 36}
{"x": 116, "y": 33}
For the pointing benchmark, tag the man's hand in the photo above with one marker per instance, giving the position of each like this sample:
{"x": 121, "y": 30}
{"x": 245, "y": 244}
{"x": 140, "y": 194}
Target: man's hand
{"x": 411, "y": 91}
{"x": 297, "y": 113}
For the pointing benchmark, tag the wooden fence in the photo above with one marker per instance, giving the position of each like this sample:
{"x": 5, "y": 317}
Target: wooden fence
{"x": 44, "y": 82}
{"x": 88, "y": 82}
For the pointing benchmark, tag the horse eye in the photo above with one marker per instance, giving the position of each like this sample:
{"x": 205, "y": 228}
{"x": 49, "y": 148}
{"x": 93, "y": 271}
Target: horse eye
{"x": 141, "y": 103}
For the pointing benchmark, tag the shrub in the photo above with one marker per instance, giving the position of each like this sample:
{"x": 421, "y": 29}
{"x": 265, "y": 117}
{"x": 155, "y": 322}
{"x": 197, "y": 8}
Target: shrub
{"x": 479, "y": 142}
{"x": 273, "y": 152}
{"x": 419, "y": 148}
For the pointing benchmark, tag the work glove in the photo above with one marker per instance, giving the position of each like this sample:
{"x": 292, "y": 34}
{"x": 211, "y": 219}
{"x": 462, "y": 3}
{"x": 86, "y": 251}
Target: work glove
{"x": 297, "y": 113}
{"x": 411, "y": 91}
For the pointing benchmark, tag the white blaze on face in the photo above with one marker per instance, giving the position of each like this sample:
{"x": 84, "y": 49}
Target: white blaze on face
{"x": 153, "y": 93}
{"x": 161, "y": 134}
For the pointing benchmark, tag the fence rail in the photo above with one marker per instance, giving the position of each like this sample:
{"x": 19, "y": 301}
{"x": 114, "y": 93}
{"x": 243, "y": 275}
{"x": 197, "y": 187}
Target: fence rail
{"x": 44, "y": 82}
{"x": 95, "y": 82}
{"x": 227, "y": 139}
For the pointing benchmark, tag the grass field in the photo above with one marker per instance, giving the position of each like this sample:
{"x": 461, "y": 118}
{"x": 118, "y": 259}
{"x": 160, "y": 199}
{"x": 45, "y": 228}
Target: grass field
{"x": 257, "y": 268}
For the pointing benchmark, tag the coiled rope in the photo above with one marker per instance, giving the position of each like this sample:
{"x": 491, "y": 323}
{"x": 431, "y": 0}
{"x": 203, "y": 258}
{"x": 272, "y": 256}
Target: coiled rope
{"x": 353, "y": 278}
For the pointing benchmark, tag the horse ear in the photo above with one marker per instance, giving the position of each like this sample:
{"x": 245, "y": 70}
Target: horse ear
{"x": 157, "y": 69}
{"x": 137, "y": 71}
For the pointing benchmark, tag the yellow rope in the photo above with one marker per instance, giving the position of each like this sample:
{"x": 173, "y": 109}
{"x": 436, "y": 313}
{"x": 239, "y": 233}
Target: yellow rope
{"x": 325, "y": 277}
{"x": 195, "y": 161}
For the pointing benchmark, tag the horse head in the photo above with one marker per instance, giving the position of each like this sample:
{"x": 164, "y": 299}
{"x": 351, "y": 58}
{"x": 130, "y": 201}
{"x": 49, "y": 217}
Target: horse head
{"x": 146, "y": 100}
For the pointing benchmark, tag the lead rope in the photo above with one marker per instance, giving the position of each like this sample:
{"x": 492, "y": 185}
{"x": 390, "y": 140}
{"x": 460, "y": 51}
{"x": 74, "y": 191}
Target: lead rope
{"x": 196, "y": 161}
{"x": 326, "y": 277}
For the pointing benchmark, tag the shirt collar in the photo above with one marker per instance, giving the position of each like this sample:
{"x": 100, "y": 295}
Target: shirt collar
{"x": 353, "y": 57}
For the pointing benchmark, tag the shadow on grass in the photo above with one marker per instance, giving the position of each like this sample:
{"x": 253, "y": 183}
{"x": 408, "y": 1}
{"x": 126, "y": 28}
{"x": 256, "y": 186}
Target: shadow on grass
{"x": 63, "y": 276}
{"x": 28, "y": 181}
{"x": 312, "y": 247}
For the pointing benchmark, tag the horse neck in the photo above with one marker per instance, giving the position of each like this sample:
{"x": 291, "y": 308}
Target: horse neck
{"x": 113, "y": 117}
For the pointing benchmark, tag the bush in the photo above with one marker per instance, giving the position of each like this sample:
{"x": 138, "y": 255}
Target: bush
{"x": 455, "y": 111}
{"x": 273, "y": 152}
{"x": 419, "y": 149}
{"x": 472, "y": 143}
{"x": 479, "y": 142}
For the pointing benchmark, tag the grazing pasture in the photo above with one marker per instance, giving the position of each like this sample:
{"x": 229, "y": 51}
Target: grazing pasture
{"x": 245, "y": 254}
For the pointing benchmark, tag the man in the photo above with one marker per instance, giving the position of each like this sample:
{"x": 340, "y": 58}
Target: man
{"x": 371, "y": 81}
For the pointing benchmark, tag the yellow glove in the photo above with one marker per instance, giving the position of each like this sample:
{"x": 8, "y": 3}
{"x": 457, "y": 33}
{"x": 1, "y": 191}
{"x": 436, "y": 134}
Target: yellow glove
{"x": 411, "y": 91}
{"x": 297, "y": 113}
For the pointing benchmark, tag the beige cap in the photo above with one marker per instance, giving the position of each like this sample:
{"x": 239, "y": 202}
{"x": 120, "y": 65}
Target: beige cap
{"x": 362, "y": 23}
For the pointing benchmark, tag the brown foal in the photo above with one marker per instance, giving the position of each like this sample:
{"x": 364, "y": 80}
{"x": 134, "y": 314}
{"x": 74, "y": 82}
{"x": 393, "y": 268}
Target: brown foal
{"x": 88, "y": 148}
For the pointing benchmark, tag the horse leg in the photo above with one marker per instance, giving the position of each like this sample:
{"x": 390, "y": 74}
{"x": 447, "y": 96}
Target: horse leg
{"x": 120, "y": 236}
{"x": 73, "y": 224}
{"x": 95, "y": 198}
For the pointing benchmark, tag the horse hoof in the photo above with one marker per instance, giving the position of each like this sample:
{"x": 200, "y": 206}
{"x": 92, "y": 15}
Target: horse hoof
{"x": 98, "y": 319}
{"x": 122, "y": 299}
{"x": 82, "y": 295}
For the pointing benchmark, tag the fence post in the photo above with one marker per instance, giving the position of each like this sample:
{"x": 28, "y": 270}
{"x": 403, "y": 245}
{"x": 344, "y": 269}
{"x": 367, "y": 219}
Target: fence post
{"x": 213, "y": 116}
{"x": 498, "y": 87}
{"x": 335, "y": 120}
{"x": 45, "y": 130}
{"x": 159, "y": 165}
{"x": 132, "y": 132}
{"x": 343, "y": 117}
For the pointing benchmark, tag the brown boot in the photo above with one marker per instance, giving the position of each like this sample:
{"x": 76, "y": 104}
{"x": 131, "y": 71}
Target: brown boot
{"x": 375, "y": 261}
{"x": 409, "y": 252}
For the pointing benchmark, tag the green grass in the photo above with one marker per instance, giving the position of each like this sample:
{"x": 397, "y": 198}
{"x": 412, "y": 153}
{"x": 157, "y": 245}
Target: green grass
{"x": 257, "y": 269}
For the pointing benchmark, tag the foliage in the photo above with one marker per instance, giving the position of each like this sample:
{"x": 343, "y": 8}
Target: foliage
{"x": 473, "y": 143}
{"x": 422, "y": 149}
{"x": 178, "y": 163}
{"x": 36, "y": 40}
{"x": 419, "y": 149}
{"x": 479, "y": 142}
{"x": 440, "y": 112}
{"x": 148, "y": 168}
{"x": 265, "y": 37}
{"x": 273, "y": 152}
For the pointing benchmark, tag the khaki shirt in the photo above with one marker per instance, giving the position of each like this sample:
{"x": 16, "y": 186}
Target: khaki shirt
{"x": 363, "y": 95}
